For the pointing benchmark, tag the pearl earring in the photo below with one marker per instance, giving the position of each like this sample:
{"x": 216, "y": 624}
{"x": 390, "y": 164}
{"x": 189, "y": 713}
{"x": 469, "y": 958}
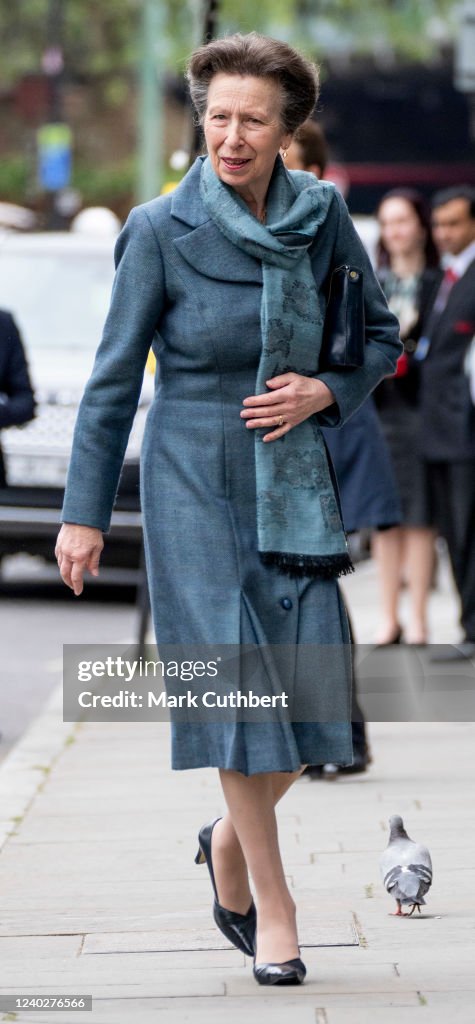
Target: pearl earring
{"x": 284, "y": 153}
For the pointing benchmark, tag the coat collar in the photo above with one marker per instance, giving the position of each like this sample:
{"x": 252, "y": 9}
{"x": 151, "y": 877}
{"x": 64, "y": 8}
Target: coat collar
{"x": 186, "y": 200}
{"x": 204, "y": 247}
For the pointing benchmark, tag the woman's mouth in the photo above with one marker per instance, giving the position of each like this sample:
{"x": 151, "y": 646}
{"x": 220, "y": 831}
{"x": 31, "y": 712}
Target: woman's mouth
{"x": 234, "y": 164}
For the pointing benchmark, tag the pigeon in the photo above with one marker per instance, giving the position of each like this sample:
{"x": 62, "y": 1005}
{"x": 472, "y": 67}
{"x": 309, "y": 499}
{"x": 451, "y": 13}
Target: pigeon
{"x": 406, "y": 868}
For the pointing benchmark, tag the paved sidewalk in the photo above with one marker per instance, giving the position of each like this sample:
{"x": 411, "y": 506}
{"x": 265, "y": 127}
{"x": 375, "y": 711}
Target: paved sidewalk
{"x": 99, "y": 893}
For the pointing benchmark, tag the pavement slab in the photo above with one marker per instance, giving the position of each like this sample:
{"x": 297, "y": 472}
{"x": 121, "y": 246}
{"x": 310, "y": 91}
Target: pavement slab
{"x": 99, "y": 892}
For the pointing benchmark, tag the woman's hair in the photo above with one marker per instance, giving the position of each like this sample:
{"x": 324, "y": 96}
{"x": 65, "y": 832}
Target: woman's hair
{"x": 421, "y": 209}
{"x": 263, "y": 57}
{"x": 311, "y": 139}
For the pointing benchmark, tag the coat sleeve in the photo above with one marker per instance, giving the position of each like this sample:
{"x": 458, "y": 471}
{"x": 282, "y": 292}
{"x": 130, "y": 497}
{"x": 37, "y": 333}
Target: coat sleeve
{"x": 17, "y": 403}
{"x": 111, "y": 396}
{"x": 383, "y": 345}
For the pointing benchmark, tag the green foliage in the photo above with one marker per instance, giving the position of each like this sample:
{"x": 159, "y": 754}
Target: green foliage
{"x": 407, "y": 29}
{"x": 105, "y": 38}
{"x": 106, "y": 184}
{"x": 14, "y": 176}
{"x": 97, "y": 38}
{"x": 276, "y": 17}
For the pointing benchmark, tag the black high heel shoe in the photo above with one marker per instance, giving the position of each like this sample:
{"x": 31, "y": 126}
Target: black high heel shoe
{"x": 291, "y": 972}
{"x": 240, "y": 929}
{"x": 395, "y": 639}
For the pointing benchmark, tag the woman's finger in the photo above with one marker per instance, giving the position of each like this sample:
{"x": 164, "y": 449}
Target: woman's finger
{"x": 283, "y": 379}
{"x": 93, "y": 562}
{"x": 77, "y": 574}
{"x": 269, "y": 398}
{"x": 275, "y": 434}
{"x": 65, "y": 565}
{"x": 275, "y": 410}
{"x": 263, "y": 418}
{"x": 268, "y": 421}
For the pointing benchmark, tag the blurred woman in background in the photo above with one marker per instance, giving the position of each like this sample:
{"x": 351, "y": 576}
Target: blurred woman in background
{"x": 407, "y": 264}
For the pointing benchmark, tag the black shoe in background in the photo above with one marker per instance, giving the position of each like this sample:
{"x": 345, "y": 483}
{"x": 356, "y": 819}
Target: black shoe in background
{"x": 314, "y": 770}
{"x": 361, "y": 761}
{"x": 464, "y": 651}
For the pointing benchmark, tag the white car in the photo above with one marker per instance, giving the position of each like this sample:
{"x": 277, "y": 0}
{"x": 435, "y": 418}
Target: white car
{"x": 57, "y": 286}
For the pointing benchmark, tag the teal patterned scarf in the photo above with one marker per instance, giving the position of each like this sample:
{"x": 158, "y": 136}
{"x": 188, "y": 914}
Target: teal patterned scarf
{"x": 299, "y": 527}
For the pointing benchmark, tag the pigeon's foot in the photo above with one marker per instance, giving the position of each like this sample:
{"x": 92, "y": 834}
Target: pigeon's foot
{"x": 414, "y": 905}
{"x": 399, "y": 912}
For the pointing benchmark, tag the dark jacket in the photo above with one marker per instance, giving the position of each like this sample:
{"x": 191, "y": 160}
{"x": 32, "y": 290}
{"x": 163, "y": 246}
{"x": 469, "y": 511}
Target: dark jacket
{"x": 404, "y": 389}
{"x": 17, "y": 403}
{"x": 362, "y": 463}
{"x": 448, "y": 417}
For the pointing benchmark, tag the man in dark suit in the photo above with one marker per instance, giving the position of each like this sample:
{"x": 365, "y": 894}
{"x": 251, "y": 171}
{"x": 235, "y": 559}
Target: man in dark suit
{"x": 447, "y": 408}
{"x": 17, "y": 403}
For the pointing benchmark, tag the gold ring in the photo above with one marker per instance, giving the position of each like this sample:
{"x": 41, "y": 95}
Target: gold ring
{"x": 281, "y": 421}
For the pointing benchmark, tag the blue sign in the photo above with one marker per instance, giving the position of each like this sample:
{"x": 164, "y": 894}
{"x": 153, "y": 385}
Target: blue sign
{"x": 54, "y": 156}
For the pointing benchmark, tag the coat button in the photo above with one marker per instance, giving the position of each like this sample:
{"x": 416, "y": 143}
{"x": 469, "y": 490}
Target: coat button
{"x": 286, "y": 603}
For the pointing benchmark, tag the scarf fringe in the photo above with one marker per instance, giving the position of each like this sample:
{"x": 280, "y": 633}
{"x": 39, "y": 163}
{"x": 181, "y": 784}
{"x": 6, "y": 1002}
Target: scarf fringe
{"x": 322, "y": 566}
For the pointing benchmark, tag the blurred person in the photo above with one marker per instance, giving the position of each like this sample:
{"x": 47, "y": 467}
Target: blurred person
{"x": 359, "y": 454}
{"x": 17, "y": 403}
{"x": 407, "y": 264}
{"x": 243, "y": 534}
{"x": 308, "y": 150}
{"x": 446, "y": 399}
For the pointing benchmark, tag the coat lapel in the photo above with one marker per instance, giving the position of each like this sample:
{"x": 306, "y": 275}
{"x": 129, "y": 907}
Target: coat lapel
{"x": 203, "y": 245}
{"x": 461, "y": 291}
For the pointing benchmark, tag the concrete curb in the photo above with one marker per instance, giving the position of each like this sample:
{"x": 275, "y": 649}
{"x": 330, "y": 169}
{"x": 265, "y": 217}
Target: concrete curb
{"x": 29, "y": 762}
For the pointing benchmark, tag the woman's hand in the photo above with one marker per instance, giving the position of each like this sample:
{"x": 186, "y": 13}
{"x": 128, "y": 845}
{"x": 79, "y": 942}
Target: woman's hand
{"x": 293, "y": 397}
{"x": 78, "y": 548}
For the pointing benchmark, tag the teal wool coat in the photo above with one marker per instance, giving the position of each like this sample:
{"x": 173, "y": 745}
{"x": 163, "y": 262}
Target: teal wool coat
{"x": 185, "y": 290}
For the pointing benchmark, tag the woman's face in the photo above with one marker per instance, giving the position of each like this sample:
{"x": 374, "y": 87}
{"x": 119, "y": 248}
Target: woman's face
{"x": 243, "y": 130}
{"x": 401, "y": 230}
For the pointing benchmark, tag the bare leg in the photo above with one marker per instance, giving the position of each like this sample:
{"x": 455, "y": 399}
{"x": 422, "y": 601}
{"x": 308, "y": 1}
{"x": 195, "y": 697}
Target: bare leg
{"x": 387, "y": 551}
{"x": 419, "y": 553}
{"x": 229, "y": 864}
{"x": 251, "y": 801}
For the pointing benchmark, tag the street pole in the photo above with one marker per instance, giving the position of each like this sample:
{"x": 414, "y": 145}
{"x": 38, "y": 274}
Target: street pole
{"x": 150, "y": 106}
{"x": 464, "y": 63}
{"x": 53, "y": 67}
{"x": 209, "y": 30}
{"x": 53, "y": 62}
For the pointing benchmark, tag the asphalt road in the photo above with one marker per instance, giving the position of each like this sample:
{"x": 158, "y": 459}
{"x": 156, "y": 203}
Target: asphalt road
{"x": 38, "y": 615}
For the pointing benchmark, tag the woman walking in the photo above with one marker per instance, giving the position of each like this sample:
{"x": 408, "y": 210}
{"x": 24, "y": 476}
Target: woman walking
{"x": 408, "y": 271}
{"x": 226, "y": 278}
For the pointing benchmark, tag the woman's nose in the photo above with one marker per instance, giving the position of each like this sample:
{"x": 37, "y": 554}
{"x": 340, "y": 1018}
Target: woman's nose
{"x": 234, "y": 134}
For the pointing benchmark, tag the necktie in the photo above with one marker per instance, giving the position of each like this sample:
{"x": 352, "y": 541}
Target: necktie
{"x": 446, "y": 285}
{"x": 450, "y": 276}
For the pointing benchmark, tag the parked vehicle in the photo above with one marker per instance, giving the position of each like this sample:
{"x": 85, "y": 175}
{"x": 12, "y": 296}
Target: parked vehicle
{"x": 57, "y": 286}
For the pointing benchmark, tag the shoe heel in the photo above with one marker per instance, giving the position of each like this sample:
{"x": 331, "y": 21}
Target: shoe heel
{"x": 239, "y": 929}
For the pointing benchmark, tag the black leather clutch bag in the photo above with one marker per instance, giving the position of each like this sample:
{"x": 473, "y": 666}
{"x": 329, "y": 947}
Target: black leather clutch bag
{"x": 343, "y": 340}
